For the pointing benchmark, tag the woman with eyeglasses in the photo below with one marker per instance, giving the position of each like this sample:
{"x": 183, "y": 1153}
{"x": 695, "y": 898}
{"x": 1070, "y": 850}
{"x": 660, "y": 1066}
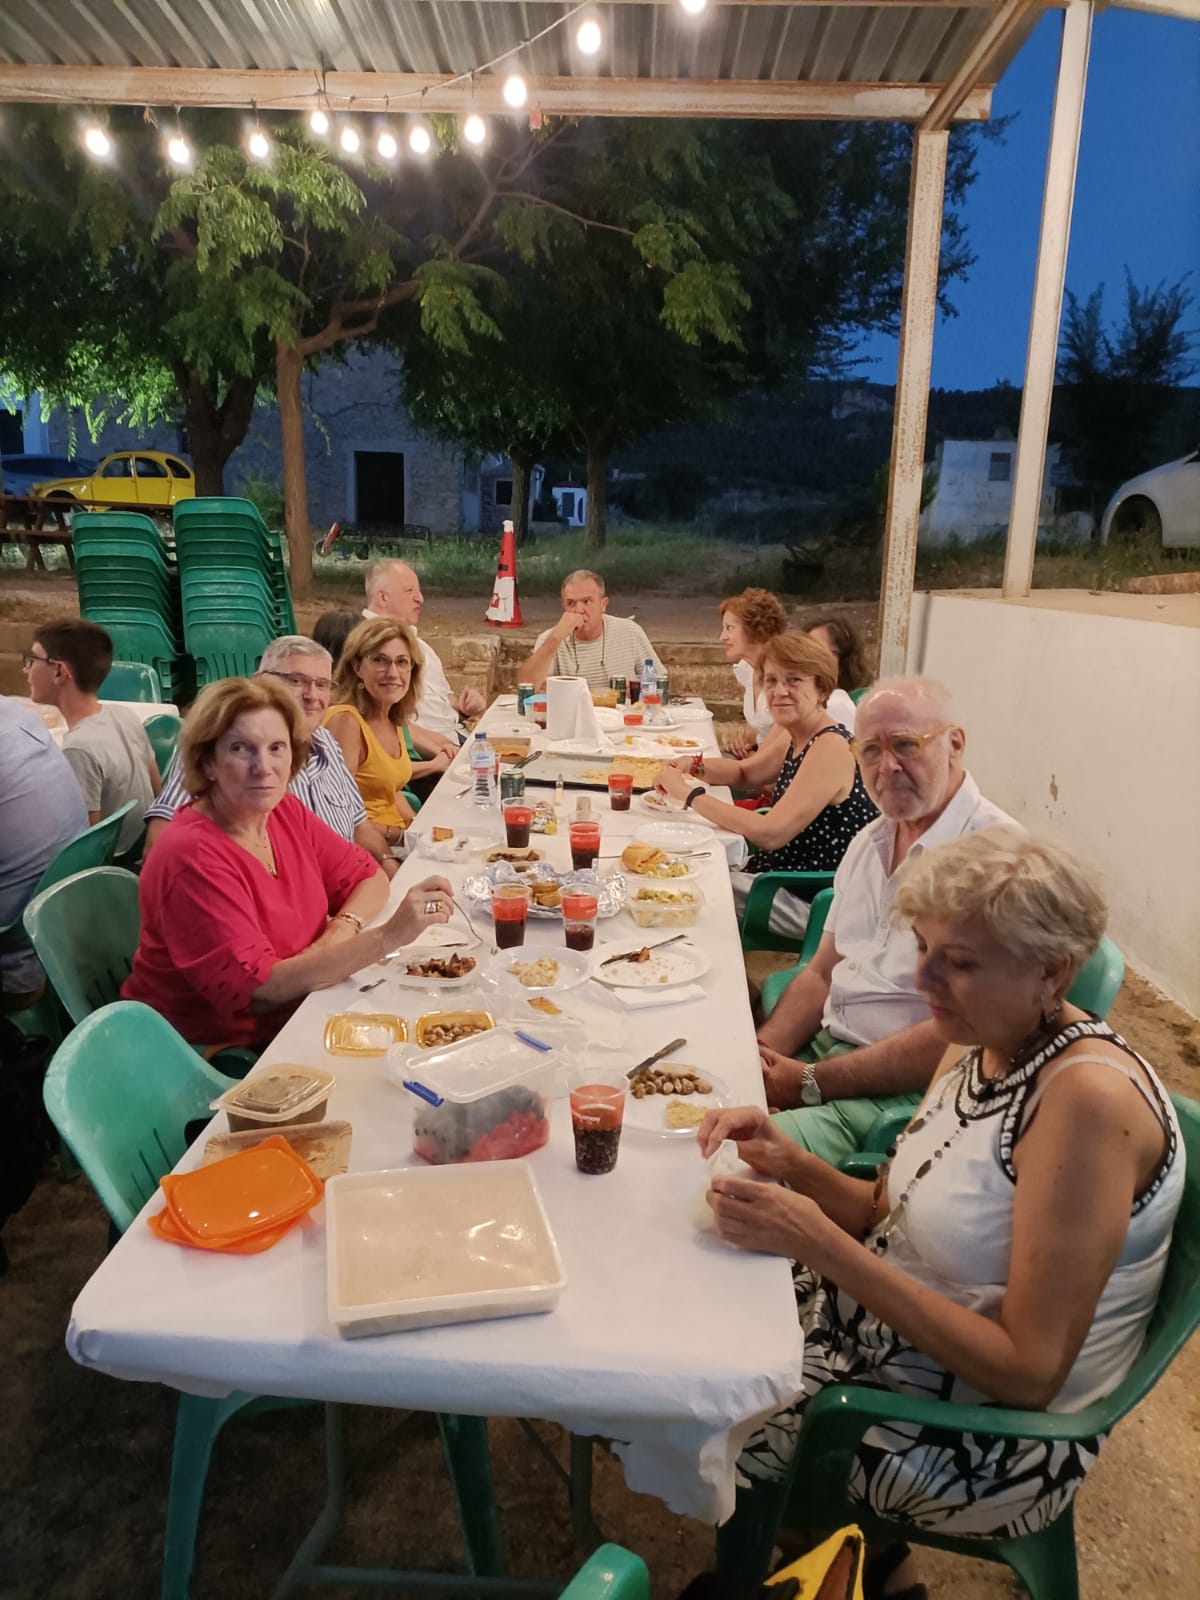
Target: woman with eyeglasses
{"x": 818, "y": 802}
{"x": 376, "y": 690}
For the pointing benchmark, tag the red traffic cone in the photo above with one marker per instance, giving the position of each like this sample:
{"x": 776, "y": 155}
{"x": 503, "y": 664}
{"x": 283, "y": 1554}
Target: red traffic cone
{"x": 505, "y": 609}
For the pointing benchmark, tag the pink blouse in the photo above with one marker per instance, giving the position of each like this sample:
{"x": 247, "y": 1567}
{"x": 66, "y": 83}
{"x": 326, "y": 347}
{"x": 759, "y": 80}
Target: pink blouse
{"x": 215, "y": 922}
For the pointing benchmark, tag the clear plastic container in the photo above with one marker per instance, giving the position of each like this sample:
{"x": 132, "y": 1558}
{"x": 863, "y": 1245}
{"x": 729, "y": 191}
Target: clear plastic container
{"x": 660, "y": 903}
{"x": 281, "y": 1094}
{"x": 483, "y": 1098}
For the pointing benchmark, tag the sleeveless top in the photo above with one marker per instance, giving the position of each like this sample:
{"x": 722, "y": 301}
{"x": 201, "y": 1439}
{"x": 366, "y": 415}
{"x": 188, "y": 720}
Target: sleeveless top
{"x": 821, "y": 846}
{"x": 380, "y": 775}
{"x": 954, "y": 1232}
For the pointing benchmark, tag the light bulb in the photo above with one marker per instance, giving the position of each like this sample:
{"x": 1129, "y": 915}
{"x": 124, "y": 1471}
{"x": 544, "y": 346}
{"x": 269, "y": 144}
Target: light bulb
{"x": 386, "y": 146}
{"x": 349, "y": 140}
{"x": 179, "y": 151}
{"x": 514, "y": 90}
{"x": 97, "y": 141}
{"x": 420, "y": 141}
{"x": 589, "y": 37}
{"x": 319, "y": 122}
{"x": 474, "y": 129}
{"x": 259, "y": 145}
{"x": 695, "y": 7}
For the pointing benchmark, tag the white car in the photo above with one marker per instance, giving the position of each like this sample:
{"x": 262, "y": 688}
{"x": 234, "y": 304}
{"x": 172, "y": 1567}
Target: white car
{"x": 1166, "y": 500}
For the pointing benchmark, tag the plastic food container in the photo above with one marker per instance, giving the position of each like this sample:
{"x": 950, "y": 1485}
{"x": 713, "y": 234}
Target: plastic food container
{"x": 426, "y": 1246}
{"x": 254, "y": 1192}
{"x": 482, "y": 1099}
{"x": 661, "y": 903}
{"x": 279, "y": 1095}
{"x": 364, "y": 1033}
{"x": 324, "y": 1146}
{"x": 464, "y": 1024}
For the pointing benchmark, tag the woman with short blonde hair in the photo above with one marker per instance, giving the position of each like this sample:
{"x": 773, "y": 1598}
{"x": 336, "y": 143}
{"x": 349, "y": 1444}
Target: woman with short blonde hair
{"x": 375, "y": 692}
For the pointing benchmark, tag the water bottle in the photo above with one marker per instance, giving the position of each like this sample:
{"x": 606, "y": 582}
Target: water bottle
{"x": 649, "y": 679}
{"x": 483, "y": 771}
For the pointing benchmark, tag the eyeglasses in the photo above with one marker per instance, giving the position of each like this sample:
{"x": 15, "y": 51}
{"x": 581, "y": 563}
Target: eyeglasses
{"x": 29, "y": 659}
{"x": 298, "y": 680}
{"x": 382, "y": 663}
{"x": 904, "y": 746}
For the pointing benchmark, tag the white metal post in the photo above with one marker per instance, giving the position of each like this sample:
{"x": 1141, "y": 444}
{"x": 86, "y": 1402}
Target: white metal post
{"x": 917, "y": 312}
{"x": 1041, "y": 358}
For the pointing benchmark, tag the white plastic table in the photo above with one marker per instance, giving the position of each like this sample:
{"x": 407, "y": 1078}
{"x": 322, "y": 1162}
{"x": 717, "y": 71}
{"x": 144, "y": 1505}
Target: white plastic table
{"x": 666, "y": 1341}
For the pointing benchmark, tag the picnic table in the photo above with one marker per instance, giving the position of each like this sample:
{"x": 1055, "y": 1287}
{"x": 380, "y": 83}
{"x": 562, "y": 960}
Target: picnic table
{"x": 35, "y": 522}
{"x": 666, "y": 1341}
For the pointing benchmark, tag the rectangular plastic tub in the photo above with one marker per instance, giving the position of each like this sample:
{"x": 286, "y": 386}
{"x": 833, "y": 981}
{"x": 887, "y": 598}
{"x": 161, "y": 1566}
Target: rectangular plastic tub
{"x": 663, "y": 904}
{"x": 364, "y": 1033}
{"x": 426, "y": 1246}
{"x": 482, "y": 1098}
{"x": 431, "y": 1022}
{"x": 281, "y": 1094}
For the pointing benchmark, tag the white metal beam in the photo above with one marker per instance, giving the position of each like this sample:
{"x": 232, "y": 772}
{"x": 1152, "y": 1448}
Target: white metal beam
{"x": 1008, "y": 18}
{"x": 1041, "y": 358}
{"x": 403, "y": 91}
{"x": 917, "y": 314}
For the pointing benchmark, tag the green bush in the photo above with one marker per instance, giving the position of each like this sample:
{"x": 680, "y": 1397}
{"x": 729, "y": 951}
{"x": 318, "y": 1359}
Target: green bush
{"x": 267, "y": 495}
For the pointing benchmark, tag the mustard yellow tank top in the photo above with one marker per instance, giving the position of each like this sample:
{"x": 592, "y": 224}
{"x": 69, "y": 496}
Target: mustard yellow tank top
{"x": 380, "y": 775}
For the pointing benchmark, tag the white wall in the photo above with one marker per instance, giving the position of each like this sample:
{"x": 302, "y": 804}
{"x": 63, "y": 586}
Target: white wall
{"x": 967, "y": 502}
{"x": 1086, "y": 722}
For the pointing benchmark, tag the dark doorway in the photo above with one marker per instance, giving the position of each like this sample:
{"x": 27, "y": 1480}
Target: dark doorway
{"x": 12, "y": 432}
{"x": 379, "y": 486}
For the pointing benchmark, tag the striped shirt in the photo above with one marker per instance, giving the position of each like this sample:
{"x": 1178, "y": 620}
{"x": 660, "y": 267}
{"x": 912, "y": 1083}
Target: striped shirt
{"x": 324, "y": 784}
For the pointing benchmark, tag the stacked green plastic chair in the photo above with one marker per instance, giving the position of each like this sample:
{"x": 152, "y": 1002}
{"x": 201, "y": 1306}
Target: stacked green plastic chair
{"x": 233, "y": 585}
{"x": 129, "y": 585}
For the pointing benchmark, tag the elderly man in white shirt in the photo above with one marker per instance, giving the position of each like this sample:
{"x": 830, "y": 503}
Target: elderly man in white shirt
{"x": 394, "y": 590}
{"x": 858, "y": 993}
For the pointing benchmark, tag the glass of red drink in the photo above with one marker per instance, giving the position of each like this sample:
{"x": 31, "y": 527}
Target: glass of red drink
{"x": 597, "y": 1112}
{"x": 510, "y": 907}
{"x": 634, "y": 719}
{"x": 579, "y": 920}
{"x": 633, "y": 690}
{"x": 620, "y": 790}
{"x": 517, "y": 822}
{"x": 585, "y": 844}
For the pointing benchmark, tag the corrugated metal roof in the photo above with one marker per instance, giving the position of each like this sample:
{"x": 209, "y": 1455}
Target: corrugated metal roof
{"x": 759, "y": 42}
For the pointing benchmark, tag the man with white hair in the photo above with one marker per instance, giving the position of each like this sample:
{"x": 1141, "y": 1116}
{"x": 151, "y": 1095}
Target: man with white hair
{"x": 324, "y": 783}
{"x": 853, "y": 1018}
{"x": 394, "y": 590}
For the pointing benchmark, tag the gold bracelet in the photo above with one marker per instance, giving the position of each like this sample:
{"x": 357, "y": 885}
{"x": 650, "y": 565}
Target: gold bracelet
{"x": 348, "y": 916}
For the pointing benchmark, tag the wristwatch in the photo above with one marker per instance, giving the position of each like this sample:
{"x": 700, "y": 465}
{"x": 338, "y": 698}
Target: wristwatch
{"x": 810, "y": 1089}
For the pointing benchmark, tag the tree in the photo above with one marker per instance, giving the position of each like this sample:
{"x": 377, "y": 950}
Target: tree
{"x": 1119, "y": 383}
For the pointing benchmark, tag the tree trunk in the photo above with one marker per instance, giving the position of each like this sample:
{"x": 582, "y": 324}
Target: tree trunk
{"x": 599, "y": 447}
{"x": 214, "y": 428}
{"x": 289, "y": 366}
{"x": 522, "y": 468}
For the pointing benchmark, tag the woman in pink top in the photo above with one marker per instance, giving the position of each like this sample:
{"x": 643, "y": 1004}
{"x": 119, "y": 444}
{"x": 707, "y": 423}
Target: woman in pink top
{"x": 249, "y": 901}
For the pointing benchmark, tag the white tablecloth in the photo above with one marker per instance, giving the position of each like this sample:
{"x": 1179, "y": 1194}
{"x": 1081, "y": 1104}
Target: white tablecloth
{"x": 666, "y": 1341}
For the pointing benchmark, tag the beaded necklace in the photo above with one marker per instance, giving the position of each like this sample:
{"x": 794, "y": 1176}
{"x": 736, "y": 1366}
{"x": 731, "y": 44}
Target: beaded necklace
{"x": 603, "y": 646}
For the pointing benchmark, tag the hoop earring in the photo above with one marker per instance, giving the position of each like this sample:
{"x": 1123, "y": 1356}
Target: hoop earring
{"x": 1050, "y": 1010}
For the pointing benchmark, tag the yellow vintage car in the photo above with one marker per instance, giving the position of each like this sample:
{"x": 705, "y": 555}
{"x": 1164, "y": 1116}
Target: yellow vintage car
{"x": 127, "y": 478}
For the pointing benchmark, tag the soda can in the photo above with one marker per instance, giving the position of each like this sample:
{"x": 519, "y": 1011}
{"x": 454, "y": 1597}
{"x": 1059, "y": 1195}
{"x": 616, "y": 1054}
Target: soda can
{"x": 524, "y": 692}
{"x": 664, "y": 687}
{"x": 512, "y": 786}
{"x": 620, "y": 685}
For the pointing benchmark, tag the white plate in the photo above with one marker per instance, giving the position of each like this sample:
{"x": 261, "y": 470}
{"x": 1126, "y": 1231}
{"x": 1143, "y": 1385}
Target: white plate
{"x": 679, "y": 963}
{"x": 648, "y": 748}
{"x": 647, "y": 730}
{"x": 669, "y": 835}
{"x": 574, "y": 968}
{"x": 689, "y": 713}
{"x": 658, "y": 805}
{"x": 410, "y": 980}
{"x": 649, "y": 1114}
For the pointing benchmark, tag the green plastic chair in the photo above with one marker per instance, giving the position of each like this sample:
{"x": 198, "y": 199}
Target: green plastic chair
{"x": 163, "y": 733}
{"x": 86, "y": 972}
{"x": 756, "y": 919}
{"x": 121, "y": 1090}
{"x": 132, "y": 680}
{"x": 775, "y": 983}
{"x": 857, "y": 694}
{"x": 610, "y": 1573}
{"x": 835, "y": 1420}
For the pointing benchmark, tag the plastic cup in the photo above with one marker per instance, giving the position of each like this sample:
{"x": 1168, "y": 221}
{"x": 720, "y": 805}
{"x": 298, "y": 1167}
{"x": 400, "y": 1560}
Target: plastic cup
{"x": 510, "y": 907}
{"x": 585, "y": 844}
{"x": 579, "y": 920}
{"x": 517, "y": 822}
{"x": 653, "y": 705}
{"x": 634, "y": 719}
{"x": 633, "y": 690}
{"x": 620, "y": 790}
{"x": 537, "y": 705}
{"x": 597, "y": 1112}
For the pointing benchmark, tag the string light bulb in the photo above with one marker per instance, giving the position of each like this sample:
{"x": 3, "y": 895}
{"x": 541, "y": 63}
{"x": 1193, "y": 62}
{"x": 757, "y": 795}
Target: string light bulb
{"x": 589, "y": 37}
{"x": 693, "y": 7}
{"x": 179, "y": 151}
{"x": 96, "y": 141}
{"x": 386, "y": 145}
{"x": 474, "y": 129}
{"x": 259, "y": 145}
{"x": 349, "y": 140}
{"x": 515, "y": 91}
{"x": 319, "y": 121}
{"x": 420, "y": 140}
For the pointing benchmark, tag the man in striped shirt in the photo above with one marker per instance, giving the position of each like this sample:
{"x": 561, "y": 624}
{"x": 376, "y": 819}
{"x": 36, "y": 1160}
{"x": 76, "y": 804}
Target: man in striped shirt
{"x": 324, "y": 783}
{"x": 586, "y": 642}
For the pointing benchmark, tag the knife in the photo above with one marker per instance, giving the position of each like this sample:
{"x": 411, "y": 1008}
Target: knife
{"x": 666, "y": 1050}
{"x": 632, "y": 955}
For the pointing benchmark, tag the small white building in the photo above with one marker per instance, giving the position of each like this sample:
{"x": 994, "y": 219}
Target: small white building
{"x": 570, "y": 501}
{"x": 974, "y": 489}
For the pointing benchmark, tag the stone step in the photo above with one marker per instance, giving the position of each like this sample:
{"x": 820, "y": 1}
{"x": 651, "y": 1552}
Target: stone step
{"x": 12, "y": 678}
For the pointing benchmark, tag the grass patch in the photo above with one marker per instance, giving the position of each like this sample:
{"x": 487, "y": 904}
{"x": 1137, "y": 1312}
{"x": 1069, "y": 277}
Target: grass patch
{"x": 1058, "y": 564}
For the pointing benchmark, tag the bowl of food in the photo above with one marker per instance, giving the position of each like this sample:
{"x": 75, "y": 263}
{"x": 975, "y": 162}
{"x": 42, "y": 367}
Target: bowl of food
{"x": 520, "y": 975}
{"x": 664, "y": 905}
{"x": 275, "y": 1097}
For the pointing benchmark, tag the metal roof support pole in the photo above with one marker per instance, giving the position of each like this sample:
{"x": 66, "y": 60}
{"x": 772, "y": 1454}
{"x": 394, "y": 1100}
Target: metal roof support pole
{"x": 1041, "y": 358}
{"x": 918, "y": 309}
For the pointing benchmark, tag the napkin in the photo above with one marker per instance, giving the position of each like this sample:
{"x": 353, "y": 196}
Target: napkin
{"x": 677, "y": 994}
{"x": 569, "y": 711}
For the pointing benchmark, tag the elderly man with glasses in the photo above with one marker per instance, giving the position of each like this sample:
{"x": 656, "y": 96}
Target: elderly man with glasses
{"x": 324, "y": 783}
{"x": 851, "y": 1038}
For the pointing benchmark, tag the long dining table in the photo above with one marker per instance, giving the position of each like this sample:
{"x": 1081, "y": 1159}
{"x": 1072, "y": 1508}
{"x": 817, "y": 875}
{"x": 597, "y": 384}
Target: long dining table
{"x": 665, "y": 1341}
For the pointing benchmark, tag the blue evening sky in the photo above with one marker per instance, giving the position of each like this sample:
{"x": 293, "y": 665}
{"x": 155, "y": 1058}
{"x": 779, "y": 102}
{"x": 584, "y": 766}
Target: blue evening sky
{"x": 1137, "y": 197}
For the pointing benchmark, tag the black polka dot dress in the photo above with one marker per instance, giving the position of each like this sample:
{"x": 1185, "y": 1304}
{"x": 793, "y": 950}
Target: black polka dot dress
{"x": 821, "y": 846}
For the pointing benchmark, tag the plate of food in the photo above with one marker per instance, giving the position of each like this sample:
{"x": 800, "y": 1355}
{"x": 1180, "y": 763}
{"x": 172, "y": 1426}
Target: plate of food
{"x": 639, "y": 965}
{"x": 658, "y": 805}
{"x": 520, "y": 860}
{"x": 523, "y": 973}
{"x": 417, "y": 969}
{"x": 671, "y": 1100}
{"x": 644, "y": 860}
{"x": 662, "y": 747}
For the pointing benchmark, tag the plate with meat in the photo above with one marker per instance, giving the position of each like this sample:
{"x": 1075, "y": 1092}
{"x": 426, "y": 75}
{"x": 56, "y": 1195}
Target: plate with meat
{"x": 420, "y": 969}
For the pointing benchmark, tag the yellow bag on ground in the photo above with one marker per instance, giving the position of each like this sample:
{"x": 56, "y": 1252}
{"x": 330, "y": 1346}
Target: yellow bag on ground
{"x": 833, "y": 1571}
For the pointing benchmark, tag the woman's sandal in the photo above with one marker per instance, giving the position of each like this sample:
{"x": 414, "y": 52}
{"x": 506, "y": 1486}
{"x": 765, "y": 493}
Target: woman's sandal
{"x": 881, "y": 1567}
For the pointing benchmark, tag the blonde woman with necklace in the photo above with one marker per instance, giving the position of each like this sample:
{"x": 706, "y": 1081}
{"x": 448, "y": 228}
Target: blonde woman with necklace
{"x": 1012, "y": 1250}
{"x": 248, "y": 900}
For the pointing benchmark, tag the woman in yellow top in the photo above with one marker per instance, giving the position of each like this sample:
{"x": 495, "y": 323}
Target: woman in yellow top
{"x": 376, "y": 690}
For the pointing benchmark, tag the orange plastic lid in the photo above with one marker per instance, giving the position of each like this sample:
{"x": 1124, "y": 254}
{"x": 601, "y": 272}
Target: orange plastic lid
{"x": 165, "y": 1226}
{"x": 266, "y": 1187}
